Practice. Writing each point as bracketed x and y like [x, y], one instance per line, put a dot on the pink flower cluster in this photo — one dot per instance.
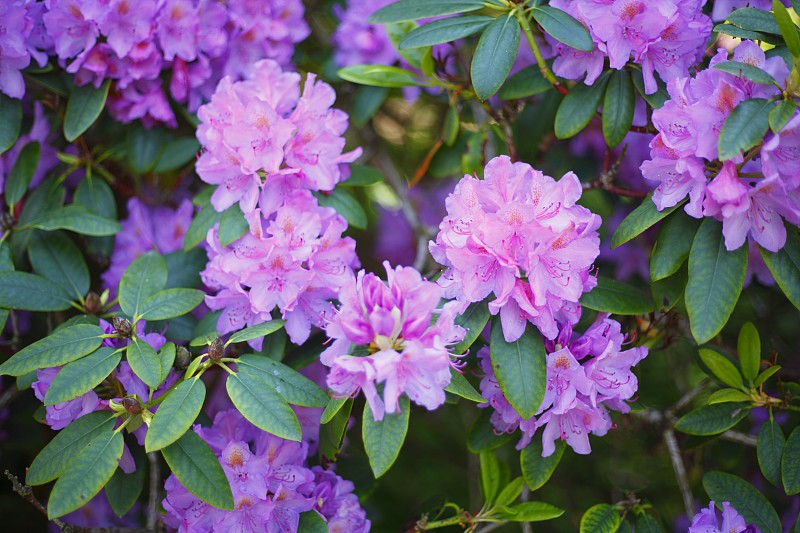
[403, 347]
[263, 139]
[748, 198]
[664, 36]
[519, 235]
[586, 377]
[294, 258]
[132, 41]
[271, 485]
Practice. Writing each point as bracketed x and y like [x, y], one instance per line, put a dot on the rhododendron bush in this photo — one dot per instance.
[353, 265]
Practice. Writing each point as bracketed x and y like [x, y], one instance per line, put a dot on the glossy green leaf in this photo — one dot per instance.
[780, 115]
[531, 512]
[616, 297]
[656, 99]
[765, 375]
[712, 419]
[452, 123]
[445, 31]
[520, 368]
[144, 362]
[29, 292]
[785, 266]
[490, 477]
[177, 153]
[746, 499]
[167, 357]
[673, 245]
[419, 9]
[10, 121]
[463, 388]
[198, 469]
[83, 107]
[754, 20]
[333, 430]
[618, 108]
[524, 83]
[379, 76]
[667, 292]
[198, 229]
[96, 195]
[54, 256]
[790, 463]
[170, 303]
[746, 71]
[383, 439]
[769, 448]
[232, 225]
[744, 128]
[494, 56]
[366, 102]
[363, 175]
[257, 331]
[21, 173]
[639, 220]
[563, 28]
[600, 518]
[183, 268]
[78, 219]
[59, 453]
[481, 436]
[510, 492]
[578, 107]
[346, 205]
[83, 375]
[333, 406]
[261, 404]
[749, 350]
[716, 277]
[735, 31]
[721, 368]
[537, 469]
[787, 28]
[86, 475]
[294, 387]
[176, 414]
[144, 147]
[145, 276]
[312, 522]
[728, 396]
[47, 196]
[646, 523]
[474, 320]
[124, 489]
[59, 348]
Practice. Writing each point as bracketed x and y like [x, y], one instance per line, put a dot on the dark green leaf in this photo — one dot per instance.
[749, 350]
[445, 30]
[419, 9]
[780, 115]
[646, 523]
[563, 28]
[461, 387]
[333, 430]
[383, 439]
[84, 106]
[176, 154]
[728, 396]
[144, 362]
[617, 297]
[600, 518]
[618, 108]
[363, 175]
[167, 357]
[494, 56]
[198, 229]
[170, 303]
[712, 419]
[531, 512]
[787, 28]
[785, 266]
[744, 128]
[145, 276]
[60, 347]
[183, 268]
[735, 31]
[21, 173]
[474, 320]
[95, 195]
[198, 469]
[366, 103]
[790, 463]
[721, 368]
[257, 331]
[716, 277]
[54, 256]
[144, 147]
[83, 375]
[482, 437]
[10, 121]
[520, 368]
[754, 19]
[261, 404]
[578, 107]
[29, 292]
[452, 123]
[333, 406]
[526, 82]
[124, 489]
[639, 220]
[232, 225]
[748, 72]
[379, 76]
[746, 499]
[490, 477]
[346, 205]
[537, 469]
[673, 245]
[78, 219]
[769, 448]
[176, 414]
[655, 99]
[312, 522]
[294, 387]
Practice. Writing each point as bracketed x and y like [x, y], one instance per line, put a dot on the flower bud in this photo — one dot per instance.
[132, 405]
[182, 358]
[93, 305]
[216, 350]
[122, 326]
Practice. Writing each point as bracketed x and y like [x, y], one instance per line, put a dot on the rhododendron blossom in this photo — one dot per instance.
[707, 521]
[519, 235]
[391, 321]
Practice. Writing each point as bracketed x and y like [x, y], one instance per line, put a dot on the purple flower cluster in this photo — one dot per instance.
[519, 235]
[263, 139]
[358, 42]
[132, 42]
[406, 350]
[587, 376]
[707, 521]
[271, 485]
[748, 197]
[294, 258]
[664, 36]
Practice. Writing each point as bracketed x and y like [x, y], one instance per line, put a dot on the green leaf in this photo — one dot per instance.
[790, 463]
[520, 368]
[754, 20]
[445, 31]
[124, 489]
[144, 147]
[419, 9]
[712, 419]
[170, 303]
[257, 331]
[144, 362]
[656, 99]
[379, 76]
[474, 320]
[531, 512]
[452, 123]
[780, 115]
[600, 518]
[29, 292]
[510, 492]
[617, 297]
[176, 414]
[494, 56]
[537, 469]
[461, 387]
[54, 256]
[787, 28]
[167, 357]
[524, 83]
[639, 220]
[333, 430]
[735, 31]
[333, 406]
[21, 173]
[490, 477]
[47, 196]
[769, 448]
[78, 219]
[83, 479]
[749, 350]
[578, 107]
[673, 245]
[646, 523]
[10, 121]
[728, 396]
[232, 225]
[563, 28]
[84, 106]
[183, 268]
[618, 108]
[261, 404]
[722, 368]
[59, 453]
[198, 469]
[716, 277]
[748, 72]
[744, 128]
[746, 499]
[363, 175]
[765, 375]
[482, 437]
[176, 154]
[785, 266]
[383, 439]
[198, 229]
[82, 375]
[346, 205]
[145, 276]
[294, 387]
[60, 347]
[95, 195]
[366, 103]
[312, 522]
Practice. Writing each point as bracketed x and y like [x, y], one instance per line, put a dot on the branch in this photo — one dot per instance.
[155, 478]
[680, 470]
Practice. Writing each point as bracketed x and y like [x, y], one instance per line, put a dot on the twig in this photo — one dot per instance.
[155, 478]
[8, 395]
[523, 497]
[27, 494]
[680, 470]
[741, 438]
[690, 395]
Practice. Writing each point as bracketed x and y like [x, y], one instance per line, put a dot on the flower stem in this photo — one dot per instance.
[537, 53]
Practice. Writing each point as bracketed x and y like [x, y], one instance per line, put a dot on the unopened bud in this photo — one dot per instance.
[132, 405]
[122, 326]
[182, 358]
[93, 305]
[216, 350]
